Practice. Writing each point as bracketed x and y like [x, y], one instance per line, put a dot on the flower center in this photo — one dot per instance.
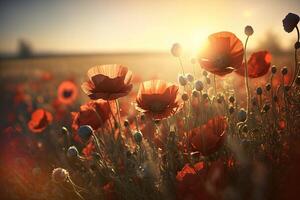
[222, 61]
[157, 107]
[67, 93]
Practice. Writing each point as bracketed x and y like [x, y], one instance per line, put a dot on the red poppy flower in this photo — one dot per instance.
[191, 182]
[108, 82]
[67, 92]
[258, 65]
[40, 119]
[93, 113]
[223, 54]
[158, 98]
[209, 137]
[200, 181]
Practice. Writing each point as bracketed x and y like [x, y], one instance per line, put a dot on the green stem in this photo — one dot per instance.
[119, 115]
[246, 78]
[180, 62]
[215, 85]
[297, 70]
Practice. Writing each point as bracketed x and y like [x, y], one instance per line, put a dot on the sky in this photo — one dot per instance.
[84, 26]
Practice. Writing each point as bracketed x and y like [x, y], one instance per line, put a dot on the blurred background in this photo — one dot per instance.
[75, 35]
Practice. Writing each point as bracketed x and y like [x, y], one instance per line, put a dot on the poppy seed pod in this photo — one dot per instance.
[274, 69]
[138, 137]
[242, 115]
[182, 80]
[126, 123]
[245, 129]
[290, 22]
[266, 107]
[268, 86]
[185, 96]
[195, 93]
[284, 71]
[72, 152]
[259, 91]
[220, 98]
[198, 85]
[64, 130]
[85, 132]
[59, 175]
[297, 45]
[231, 99]
[204, 95]
[297, 80]
[190, 77]
[249, 30]
[176, 50]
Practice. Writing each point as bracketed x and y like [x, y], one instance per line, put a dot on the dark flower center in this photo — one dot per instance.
[222, 61]
[157, 107]
[67, 93]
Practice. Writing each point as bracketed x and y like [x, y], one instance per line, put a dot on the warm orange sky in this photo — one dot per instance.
[128, 25]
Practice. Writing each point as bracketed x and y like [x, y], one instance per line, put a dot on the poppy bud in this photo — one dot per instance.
[59, 175]
[266, 107]
[220, 99]
[204, 73]
[126, 123]
[245, 129]
[85, 132]
[138, 136]
[242, 115]
[190, 77]
[193, 61]
[176, 50]
[268, 87]
[182, 80]
[72, 152]
[231, 109]
[231, 99]
[204, 95]
[290, 22]
[284, 70]
[207, 80]
[297, 45]
[259, 91]
[185, 96]
[273, 69]
[64, 130]
[297, 80]
[199, 85]
[248, 30]
[195, 93]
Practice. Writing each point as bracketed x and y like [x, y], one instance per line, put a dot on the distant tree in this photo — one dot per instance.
[24, 49]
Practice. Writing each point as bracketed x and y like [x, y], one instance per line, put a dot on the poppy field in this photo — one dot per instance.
[224, 124]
